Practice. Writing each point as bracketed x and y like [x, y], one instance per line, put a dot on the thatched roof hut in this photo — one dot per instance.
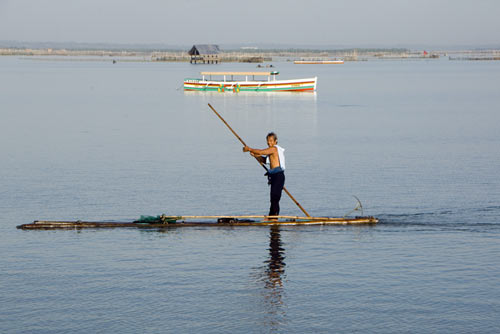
[206, 53]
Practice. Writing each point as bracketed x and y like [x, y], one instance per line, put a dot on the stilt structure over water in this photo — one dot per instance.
[206, 53]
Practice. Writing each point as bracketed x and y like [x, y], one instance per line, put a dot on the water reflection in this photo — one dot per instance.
[305, 96]
[273, 277]
[276, 266]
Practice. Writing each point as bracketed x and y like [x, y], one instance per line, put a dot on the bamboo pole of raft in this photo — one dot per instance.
[186, 218]
[259, 216]
[244, 144]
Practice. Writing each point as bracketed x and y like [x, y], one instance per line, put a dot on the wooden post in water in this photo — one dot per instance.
[244, 144]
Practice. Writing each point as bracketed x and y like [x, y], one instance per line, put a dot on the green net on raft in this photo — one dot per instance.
[161, 219]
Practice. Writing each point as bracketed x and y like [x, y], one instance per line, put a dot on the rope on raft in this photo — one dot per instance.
[161, 219]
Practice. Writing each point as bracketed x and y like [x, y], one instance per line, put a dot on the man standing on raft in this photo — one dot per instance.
[273, 155]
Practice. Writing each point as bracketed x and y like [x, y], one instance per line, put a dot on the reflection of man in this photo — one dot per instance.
[276, 264]
[275, 156]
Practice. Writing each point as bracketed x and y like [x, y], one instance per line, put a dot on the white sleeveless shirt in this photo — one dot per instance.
[281, 156]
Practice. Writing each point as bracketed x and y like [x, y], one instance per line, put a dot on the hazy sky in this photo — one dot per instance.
[305, 22]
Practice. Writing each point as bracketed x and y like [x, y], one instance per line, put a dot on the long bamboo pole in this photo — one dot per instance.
[259, 217]
[244, 144]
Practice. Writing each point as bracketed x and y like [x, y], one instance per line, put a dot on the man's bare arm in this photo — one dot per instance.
[271, 152]
[267, 151]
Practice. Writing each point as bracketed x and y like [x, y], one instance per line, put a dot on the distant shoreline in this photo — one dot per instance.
[255, 56]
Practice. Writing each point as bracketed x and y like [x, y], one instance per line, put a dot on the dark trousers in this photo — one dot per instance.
[277, 182]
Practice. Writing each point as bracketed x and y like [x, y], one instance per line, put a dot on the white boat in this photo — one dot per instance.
[247, 82]
[335, 61]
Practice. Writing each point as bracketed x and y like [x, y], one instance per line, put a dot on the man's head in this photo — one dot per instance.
[272, 139]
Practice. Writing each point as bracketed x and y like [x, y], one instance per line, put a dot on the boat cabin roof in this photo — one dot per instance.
[239, 73]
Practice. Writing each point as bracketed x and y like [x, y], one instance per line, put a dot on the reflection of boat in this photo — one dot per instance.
[269, 95]
[319, 61]
[164, 221]
[246, 82]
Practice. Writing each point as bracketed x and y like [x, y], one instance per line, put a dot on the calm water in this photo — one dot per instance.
[417, 141]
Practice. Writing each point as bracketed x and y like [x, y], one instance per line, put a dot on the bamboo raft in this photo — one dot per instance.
[192, 221]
